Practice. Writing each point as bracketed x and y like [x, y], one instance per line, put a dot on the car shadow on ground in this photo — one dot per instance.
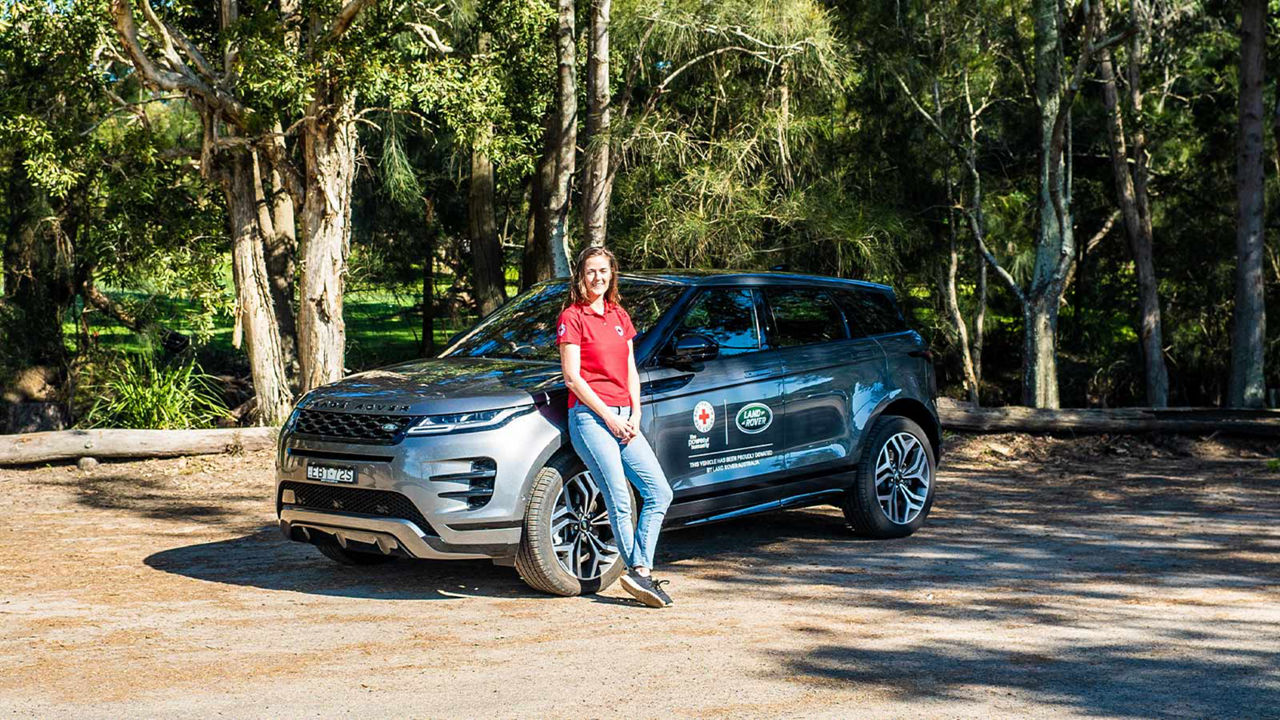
[265, 559]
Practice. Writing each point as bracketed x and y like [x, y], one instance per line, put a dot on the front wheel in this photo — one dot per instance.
[894, 489]
[568, 546]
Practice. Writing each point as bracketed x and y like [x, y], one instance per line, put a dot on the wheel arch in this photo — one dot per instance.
[920, 414]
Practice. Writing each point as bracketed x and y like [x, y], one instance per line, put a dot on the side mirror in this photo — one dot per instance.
[691, 349]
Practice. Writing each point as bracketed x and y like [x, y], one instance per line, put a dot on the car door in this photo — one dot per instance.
[715, 426]
[828, 375]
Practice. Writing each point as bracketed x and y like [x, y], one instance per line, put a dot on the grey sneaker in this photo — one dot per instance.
[642, 589]
[657, 588]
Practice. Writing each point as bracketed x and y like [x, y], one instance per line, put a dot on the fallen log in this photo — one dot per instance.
[963, 417]
[39, 447]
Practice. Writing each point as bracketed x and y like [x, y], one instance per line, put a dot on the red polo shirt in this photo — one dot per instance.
[603, 341]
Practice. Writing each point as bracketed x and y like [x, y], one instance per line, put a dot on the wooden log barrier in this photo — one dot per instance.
[28, 448]
[963, 417]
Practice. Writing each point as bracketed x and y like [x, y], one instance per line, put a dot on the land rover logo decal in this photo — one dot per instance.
[390, 427]
[754, 418]
[704, 416]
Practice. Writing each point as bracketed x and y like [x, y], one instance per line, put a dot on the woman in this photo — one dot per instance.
[599, 365]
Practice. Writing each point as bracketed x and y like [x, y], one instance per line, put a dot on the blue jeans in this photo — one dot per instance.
[612, 464]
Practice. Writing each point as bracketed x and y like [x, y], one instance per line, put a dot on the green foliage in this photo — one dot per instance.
[136, 391]
[724, 153]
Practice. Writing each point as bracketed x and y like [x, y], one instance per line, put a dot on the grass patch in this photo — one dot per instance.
[384, 326]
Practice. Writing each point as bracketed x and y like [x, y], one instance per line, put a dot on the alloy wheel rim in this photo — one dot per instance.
[902, 478]
[580, 531]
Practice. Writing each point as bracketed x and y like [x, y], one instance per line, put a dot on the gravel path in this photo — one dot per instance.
[1055, 578]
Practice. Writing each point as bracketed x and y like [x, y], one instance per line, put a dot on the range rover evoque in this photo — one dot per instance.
[761, 391]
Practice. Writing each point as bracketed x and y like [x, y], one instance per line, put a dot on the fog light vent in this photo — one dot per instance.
[479, 483]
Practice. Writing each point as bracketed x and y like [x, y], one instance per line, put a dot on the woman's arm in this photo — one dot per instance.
[633, 387]
[571, 367]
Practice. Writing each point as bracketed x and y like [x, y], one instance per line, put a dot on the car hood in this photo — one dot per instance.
[439, 385]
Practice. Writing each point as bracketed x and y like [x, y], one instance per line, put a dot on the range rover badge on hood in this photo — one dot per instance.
[365, 406]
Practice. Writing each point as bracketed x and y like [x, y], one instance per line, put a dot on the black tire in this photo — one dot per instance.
[536, 559]
[335, 552]
[862, 507]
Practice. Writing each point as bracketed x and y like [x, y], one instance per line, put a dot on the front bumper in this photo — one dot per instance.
[391, 536]
[433, 472]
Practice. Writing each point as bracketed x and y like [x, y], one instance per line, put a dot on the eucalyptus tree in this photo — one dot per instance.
[1130, 161]
[279, 88]
[1249, 321]
[1056, 88]
[596, 187]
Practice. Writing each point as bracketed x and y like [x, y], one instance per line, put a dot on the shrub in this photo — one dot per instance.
[137, 392]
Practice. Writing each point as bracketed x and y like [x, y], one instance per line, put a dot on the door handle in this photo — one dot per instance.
[767, 372]
[666, 384]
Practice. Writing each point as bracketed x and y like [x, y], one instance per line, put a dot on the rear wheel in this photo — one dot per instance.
[568, 546]
[894, 491]
[332, 550]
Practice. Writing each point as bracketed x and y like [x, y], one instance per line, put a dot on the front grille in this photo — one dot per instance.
[362, 501]
[354, 427]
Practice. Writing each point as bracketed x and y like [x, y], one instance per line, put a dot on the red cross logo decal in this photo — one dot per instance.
[704, 416]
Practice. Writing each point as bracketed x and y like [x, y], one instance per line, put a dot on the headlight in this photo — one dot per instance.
[485, 419]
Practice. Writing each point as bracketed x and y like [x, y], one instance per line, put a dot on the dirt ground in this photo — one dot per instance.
[1099, 577]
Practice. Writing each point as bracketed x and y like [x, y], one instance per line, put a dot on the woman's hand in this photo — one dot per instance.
[633, 423]
[620, 428]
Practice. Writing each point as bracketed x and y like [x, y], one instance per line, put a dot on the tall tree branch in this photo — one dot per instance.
[345, 17]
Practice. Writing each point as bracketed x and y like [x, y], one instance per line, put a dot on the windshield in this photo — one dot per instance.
[525, 328]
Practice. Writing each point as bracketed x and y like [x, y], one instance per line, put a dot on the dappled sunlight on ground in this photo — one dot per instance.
[1099, 577]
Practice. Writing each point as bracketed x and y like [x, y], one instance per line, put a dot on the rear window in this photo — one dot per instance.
[803, 317]
[870, 312]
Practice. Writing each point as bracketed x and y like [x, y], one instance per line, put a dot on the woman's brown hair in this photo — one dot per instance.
[578, 294]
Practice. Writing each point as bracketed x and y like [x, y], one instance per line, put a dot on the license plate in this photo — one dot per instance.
[330, 473]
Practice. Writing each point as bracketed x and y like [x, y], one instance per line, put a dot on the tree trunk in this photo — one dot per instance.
[565, 142]
[1055, 245]
[596, 187]
[255, 315]
[536, 265]
[1134, 208]
[1249, 318]
[429, 280]
[979, 324]
[949, 295]
[957, 319]
[1039, 352]
[281, 248]
[486, 250]
[329, 144]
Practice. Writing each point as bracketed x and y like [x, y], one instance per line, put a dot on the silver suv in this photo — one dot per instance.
[761, 391]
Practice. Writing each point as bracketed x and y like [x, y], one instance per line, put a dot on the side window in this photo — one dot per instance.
[870, 312]
[726, 315]
[804, 317]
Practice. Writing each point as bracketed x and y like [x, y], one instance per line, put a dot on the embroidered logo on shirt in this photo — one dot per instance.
[619, 329]
[561, 330]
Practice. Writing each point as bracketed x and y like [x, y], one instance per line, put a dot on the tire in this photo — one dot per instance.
[554, 532]
[890, 506]
[335, 552]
